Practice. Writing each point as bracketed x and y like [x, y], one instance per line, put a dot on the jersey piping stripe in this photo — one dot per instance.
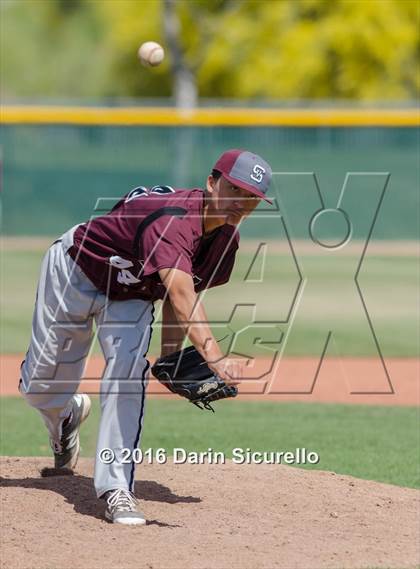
[169, 210]
[143, 396]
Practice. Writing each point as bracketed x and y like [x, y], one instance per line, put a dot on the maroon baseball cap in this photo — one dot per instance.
[245, 170]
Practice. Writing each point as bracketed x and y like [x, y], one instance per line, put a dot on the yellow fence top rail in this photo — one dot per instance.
[166, 116]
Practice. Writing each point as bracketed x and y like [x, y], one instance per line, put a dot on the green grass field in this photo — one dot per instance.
[330, 302]
[375, 443]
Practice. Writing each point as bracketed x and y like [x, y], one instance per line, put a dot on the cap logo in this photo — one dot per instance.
[257, 173]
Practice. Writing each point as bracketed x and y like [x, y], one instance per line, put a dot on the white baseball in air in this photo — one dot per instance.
[151, 53]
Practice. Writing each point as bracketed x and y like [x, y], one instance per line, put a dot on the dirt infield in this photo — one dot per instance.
[346, 380]
[208, 516]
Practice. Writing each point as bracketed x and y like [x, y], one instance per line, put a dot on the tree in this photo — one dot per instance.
[183, 78]
[242, 49]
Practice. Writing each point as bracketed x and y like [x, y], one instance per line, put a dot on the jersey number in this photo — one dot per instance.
[124, 276]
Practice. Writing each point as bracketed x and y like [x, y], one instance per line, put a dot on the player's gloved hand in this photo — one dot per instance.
[186, 373]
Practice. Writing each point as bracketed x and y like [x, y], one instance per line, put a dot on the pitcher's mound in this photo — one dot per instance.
[206, 517]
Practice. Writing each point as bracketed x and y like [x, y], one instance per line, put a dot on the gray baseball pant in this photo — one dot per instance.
[66, 304]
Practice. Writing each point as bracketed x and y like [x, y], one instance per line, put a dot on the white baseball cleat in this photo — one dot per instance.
[67, 449]
[122, 508]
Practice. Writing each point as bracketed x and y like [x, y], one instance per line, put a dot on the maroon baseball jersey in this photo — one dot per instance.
[151, 229]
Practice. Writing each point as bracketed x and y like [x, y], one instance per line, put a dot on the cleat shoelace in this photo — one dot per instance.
[58, 446]
[122, 500]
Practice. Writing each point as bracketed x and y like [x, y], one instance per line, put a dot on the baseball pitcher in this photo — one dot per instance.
[157, 243]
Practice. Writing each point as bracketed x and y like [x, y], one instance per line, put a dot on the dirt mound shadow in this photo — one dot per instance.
[208, 516]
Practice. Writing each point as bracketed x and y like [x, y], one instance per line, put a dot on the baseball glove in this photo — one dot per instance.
[186, 373]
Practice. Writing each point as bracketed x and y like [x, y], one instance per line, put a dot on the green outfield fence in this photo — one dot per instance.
[56, 162]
